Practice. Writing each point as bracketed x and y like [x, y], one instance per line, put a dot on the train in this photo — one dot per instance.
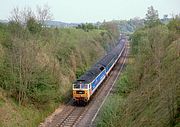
[85, 86]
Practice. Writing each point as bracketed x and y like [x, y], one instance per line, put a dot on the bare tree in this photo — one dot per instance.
[21, 16]
[43, 14]
[15, 15]
[21, 53]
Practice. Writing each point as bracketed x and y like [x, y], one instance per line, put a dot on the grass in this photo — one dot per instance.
[113, 107]
[14, 115]
[110, 112]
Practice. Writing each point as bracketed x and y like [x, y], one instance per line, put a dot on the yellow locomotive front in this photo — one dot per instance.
[81, 91]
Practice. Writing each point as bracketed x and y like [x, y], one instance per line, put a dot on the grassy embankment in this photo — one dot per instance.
[37, 69]
[147, 94]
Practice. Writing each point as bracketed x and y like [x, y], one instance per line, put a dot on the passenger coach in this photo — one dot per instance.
[86, 85]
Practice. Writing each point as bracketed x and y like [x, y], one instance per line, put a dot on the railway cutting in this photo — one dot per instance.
[74, 115]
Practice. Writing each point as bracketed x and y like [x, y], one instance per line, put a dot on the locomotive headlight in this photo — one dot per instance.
[74, 92]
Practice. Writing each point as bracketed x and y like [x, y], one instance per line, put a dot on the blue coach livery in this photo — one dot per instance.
[85, 86]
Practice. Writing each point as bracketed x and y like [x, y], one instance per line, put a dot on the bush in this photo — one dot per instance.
[43, 88]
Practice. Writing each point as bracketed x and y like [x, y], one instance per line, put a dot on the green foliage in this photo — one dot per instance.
[1, 102]
[63, 54]
[24, 116]
[30, 78]
[150, 87]
[174, 25]
[5, 76]
[37, 68]
[112, 28]
[130, 26]
[39, 64]
[80, 71]
[152, 18]
[33, 26]
[4, 35]
[15, 29]
[110, 113]
[43, 88]
[86, 27]
[123, 85]
[137, 38]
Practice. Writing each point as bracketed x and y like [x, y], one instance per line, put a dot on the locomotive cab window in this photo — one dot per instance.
[84, 86]
[76, 86]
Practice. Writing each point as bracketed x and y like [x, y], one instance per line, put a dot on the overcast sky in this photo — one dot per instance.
[93, 10]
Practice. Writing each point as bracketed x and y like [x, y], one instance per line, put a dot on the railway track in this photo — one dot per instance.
[83, 116]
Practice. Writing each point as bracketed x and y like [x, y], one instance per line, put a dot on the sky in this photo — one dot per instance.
[78, 11]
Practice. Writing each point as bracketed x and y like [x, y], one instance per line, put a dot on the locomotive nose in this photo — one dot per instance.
[81, 95]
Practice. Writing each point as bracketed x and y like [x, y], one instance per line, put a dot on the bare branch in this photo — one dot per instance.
[43, 14]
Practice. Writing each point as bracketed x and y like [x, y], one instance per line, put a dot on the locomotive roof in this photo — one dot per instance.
[105, 60]
[114, 53]
[89, 75]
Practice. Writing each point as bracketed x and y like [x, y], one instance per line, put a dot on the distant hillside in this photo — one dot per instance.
[53, 23]
[3, 21]
[60, 24]
[130, 26]
[125, 26]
